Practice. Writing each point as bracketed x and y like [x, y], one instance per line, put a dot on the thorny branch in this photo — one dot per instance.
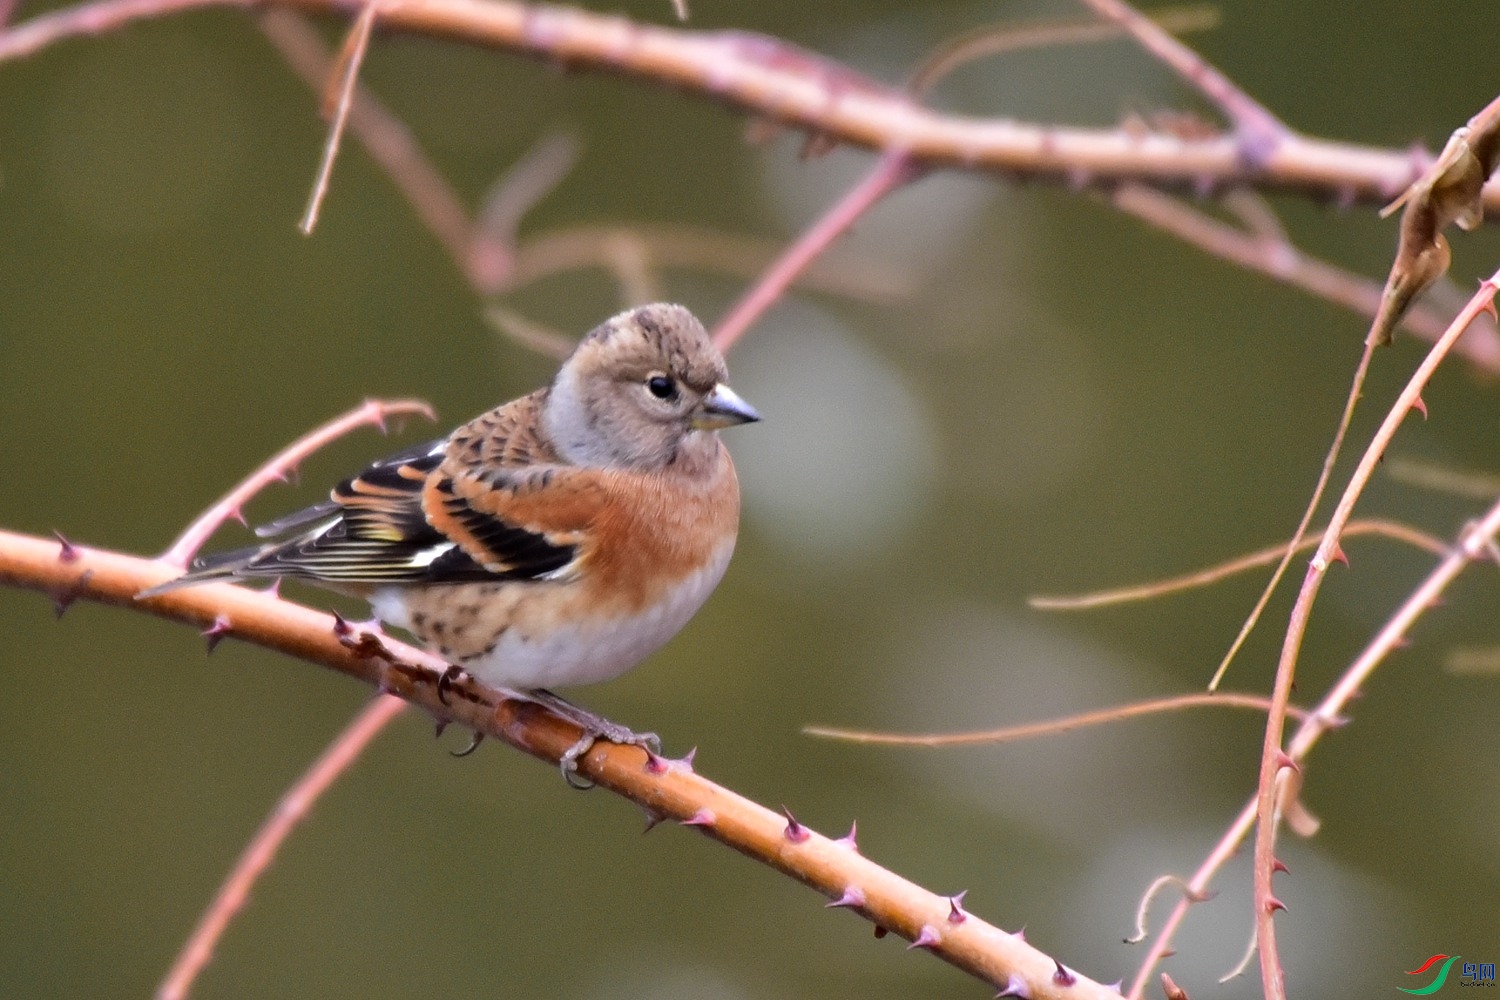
[666, 789]
[282, 466]
[261, 851]
[1282, 765]
[1474, 544]
[780, 82]
[1274, 759]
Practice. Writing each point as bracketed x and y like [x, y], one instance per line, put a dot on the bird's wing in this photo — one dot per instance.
[448, 511]
[517, 523]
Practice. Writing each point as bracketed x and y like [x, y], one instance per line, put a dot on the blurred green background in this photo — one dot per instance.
[1065, 401]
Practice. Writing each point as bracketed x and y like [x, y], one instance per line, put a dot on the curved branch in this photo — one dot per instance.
[1053, 727]
[779, 81]
[1274, 759]
[666, 789]
[1474, 544]
[290, 811]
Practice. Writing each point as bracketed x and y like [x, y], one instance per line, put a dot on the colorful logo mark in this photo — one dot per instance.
[1437, 983]
[1474, 974]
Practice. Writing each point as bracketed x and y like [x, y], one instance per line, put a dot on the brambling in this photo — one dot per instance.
[559, 539]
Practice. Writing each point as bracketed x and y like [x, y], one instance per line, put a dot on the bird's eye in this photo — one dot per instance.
[661, 387]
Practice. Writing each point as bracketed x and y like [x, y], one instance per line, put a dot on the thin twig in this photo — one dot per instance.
[1277, 258]
[1143, 909]
[1008, 36]
[1473, 662]
[1052, 727]
[890, 172]
[1346, 417]
[1261, 130]
[347, 69]
[1441, 478]
[1213, 574]
[373, 412]
[634, 270]
[382, 134]
[1472, 545]
[517, 191]
[531, 335]
[704, 251]
[263, 848]
[1273, 757]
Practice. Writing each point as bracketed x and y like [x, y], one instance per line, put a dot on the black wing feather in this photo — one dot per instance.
[373, 530]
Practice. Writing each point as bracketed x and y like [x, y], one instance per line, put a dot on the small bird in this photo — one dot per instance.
[556, 540]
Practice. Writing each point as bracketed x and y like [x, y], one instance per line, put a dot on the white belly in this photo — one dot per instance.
[575, 654]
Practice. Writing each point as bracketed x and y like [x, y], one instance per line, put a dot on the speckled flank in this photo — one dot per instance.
[527, 635]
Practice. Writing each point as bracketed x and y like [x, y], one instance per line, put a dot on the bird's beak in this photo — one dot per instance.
[722, 407]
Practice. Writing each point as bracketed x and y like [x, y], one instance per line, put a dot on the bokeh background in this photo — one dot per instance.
[1064, 401]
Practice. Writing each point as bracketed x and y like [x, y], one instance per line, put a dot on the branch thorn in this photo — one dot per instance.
[795, 832]
[956, 914]
[927, 937]
[703, 817]
[216, 631]
[653, 819]
[63, 599]
[67, 552]
[853, 898]
[1015, 986]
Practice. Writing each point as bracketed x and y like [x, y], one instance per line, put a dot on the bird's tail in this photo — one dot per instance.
[231, 565]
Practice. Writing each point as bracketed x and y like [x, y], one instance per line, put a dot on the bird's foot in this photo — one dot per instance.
[595, 728]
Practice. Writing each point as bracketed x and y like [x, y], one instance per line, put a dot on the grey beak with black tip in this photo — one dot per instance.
[723, 407]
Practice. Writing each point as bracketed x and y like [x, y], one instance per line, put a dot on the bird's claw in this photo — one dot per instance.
[595, 728]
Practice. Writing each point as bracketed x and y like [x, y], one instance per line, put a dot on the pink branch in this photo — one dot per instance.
[279, 468]
[786, 84]
[1272, 254]
[261, 851]
[891, 171]
[1473, 544]
[384, 136]
[352, 57]
[668, 790]
[1273, 758]
[1261, 129]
